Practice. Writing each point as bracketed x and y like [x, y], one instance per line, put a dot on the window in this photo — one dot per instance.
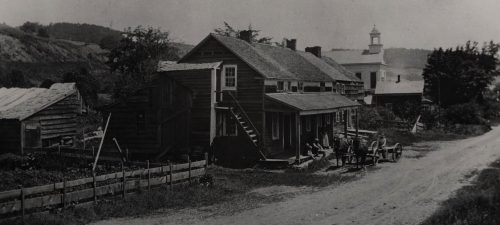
[358, 75]
[373, 79]
[275, 126]
[301, 86]
[280, 86]
[322, 86]
[308, 123]
[342, 115]
[289, 86]
[327, 119]
[337, 116]
[229, 77]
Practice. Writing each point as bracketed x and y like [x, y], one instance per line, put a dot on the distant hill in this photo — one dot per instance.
[40, 58]
[409, 63]
[69, 47]
[88, 33]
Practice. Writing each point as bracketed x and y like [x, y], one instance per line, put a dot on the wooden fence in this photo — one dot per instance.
[90, 188]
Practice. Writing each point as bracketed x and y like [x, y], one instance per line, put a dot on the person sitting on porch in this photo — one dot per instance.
[317, 148]
[307, 148]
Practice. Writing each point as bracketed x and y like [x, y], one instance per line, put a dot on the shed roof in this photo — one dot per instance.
[308, 103]
[164, 66]
[403, 87]
[274, 62]
[21, 103]
[355, 57]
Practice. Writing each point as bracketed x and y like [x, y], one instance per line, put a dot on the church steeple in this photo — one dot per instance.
[375, 46]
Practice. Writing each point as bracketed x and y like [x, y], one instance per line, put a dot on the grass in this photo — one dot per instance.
[478, 203]
[231, 191]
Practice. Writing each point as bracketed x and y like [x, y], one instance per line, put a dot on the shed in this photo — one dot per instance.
[38, 117]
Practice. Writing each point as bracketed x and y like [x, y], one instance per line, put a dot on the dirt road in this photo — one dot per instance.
[398, 193]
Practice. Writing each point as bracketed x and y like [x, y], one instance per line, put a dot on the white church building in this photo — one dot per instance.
[367, 64]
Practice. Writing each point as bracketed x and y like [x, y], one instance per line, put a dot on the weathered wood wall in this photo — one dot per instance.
[10, 136]
[250, 84]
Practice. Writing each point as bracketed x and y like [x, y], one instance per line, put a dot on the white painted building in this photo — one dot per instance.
[367, 64]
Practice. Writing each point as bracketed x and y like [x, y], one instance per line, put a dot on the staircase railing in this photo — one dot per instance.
[245, 115]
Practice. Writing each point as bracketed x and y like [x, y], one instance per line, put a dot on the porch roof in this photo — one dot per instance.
[312, 103]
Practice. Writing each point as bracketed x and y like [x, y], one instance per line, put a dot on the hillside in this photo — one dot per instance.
[45, 58]
[87, 33]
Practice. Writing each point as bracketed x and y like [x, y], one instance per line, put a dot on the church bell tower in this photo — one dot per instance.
[375, 42]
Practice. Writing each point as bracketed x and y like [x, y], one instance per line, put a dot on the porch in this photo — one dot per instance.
[293, 119]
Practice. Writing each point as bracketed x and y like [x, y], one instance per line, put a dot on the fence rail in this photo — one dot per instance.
[77, 191]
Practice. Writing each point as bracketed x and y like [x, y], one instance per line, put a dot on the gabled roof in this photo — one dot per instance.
[275, 62]
[403, 87]
[341, 68]
[164, 66]
[21, 103]
[355, 57]
[312, 102]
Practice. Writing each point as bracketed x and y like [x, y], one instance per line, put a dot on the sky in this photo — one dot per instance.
[328, 23]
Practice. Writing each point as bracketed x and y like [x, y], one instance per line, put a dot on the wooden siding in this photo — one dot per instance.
[10, 136]
[153, 120]
[250, 84]
[199, 82]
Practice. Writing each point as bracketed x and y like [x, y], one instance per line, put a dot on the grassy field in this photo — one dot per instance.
[232, 190]
[478, 203]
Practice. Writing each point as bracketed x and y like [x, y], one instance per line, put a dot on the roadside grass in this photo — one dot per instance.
[231, 189]
[451, 133]
[478, 203]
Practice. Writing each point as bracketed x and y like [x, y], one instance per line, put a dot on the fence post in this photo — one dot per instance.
[94, 186]
[124, 181]
[149, 177]
[189, 163]
[22, 204]
[171, 182]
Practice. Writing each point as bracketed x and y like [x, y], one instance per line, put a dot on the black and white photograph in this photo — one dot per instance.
[249, 112]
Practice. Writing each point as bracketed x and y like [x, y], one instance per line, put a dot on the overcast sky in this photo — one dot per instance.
[328, 23]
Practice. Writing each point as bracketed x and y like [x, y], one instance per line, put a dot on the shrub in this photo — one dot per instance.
[466, 113]
[368, 117]
[386, 114]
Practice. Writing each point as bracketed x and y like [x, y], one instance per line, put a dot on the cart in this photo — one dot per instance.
[375, 152]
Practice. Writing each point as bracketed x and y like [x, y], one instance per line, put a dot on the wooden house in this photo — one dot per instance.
[259, 101]
[38, 117]
[153, 122]
[391, 93]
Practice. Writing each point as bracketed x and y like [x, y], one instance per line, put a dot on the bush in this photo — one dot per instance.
[368, 117]
[386, 114]
[466, 113]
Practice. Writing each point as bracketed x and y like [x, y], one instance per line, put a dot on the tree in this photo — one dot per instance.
[42, 32]
[408, 111]
[110, 41]
[136, 57]
[47, 83]
[86, 83]
[229, 31]
[15, 79]
[460, 75]
[30, 27]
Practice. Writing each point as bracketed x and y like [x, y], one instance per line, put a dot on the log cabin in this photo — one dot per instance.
[38, 117]
[261, 101]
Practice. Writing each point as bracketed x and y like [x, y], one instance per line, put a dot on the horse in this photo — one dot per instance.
[360, 149]
[341, 147]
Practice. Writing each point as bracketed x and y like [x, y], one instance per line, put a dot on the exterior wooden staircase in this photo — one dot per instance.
[246, 125]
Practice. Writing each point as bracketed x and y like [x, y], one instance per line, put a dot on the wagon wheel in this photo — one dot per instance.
[374, 150]
[397, 152]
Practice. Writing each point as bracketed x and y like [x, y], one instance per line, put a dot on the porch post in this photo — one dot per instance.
[357, 122]
[298, 131]
[345, 121]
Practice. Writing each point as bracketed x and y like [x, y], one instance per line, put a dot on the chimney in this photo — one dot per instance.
[399, 79]
[246, 35]
[291, 44]
[316, 50]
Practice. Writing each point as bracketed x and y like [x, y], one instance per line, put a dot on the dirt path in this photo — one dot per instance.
[398, 193]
